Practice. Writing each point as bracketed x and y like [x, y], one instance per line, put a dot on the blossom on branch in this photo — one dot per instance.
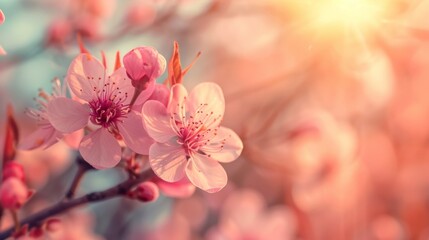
[102, 104]
[189, 138]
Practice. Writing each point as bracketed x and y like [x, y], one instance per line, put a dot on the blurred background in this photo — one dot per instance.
[330, 98]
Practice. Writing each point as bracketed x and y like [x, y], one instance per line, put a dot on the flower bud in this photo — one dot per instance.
[13, 193]
[143, 66]
[13, 169]
[145, 192]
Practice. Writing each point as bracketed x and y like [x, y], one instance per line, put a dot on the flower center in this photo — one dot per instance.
[106, 112]
[196, 130]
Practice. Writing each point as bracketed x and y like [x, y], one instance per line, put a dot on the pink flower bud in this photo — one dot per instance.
[146, 192]
[15, 170]
[143, 66]
[1, 17]
[13, 193]
[59, 32]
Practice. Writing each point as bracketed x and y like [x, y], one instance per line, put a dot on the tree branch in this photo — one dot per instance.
[118, 190]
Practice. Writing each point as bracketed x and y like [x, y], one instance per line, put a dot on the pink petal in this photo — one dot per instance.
[168, 161]
[210, 95]
[145, 94]
[206, 173]
[157, 121]
[86, 76]
[2, 51]
[231, 142]
[134, 134]
[73, 139]
[44, 136]
[100, 149]
[2, 17]
[177, 100]
[161, 94]
[180, 189]
[121, 85]
[67, 115]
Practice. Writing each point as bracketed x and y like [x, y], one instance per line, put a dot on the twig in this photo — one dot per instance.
[118, 190]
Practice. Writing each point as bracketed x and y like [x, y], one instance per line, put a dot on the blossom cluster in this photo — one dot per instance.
[127, 109]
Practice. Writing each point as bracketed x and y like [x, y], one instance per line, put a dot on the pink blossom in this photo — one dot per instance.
[244, 215]
[13, 193]
[189, 138]
[46, 135]
[143, 65]
[103, 103]
[141, 14]
[13, 169]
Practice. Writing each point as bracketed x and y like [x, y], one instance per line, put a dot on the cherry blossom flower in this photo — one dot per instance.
[46, 135]
[103, 103]
[189, 138]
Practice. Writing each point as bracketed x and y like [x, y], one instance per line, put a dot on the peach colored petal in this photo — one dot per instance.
[44, 136]
[230, 142]
[168, 161]
[178, 95]
[67, 115]
[157, 121]
[206, 173]
[134, 134]
[100, 149]
[86, 76]
[207, 98]
[121, 84]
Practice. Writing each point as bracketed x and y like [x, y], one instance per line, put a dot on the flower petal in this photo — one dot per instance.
[180, 189]
[86, 76]
[168, 161]
[161, 94]
[134, 134]
[2, 18]
[177, 100]
[120, 85]
[225, 146]
[145, 94]
[100, 149]
[206, 173]
[44, 136]
[67, 115]
[157, 121]
[208, 98]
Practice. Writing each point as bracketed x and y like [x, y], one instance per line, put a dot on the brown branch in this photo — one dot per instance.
[118, 190]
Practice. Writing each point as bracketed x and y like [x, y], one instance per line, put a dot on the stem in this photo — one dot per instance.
[76, 180]
[115, 191]
[15, 220]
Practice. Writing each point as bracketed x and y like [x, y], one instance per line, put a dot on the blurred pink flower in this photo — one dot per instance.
[189, 138]
[143, 65]
[244, 216]
[2, 18]
[180, 189]
[105, 102]
[13, 193]
[141, 14]
[46, 135]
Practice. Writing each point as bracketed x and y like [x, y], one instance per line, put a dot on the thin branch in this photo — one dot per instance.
[118, 190]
